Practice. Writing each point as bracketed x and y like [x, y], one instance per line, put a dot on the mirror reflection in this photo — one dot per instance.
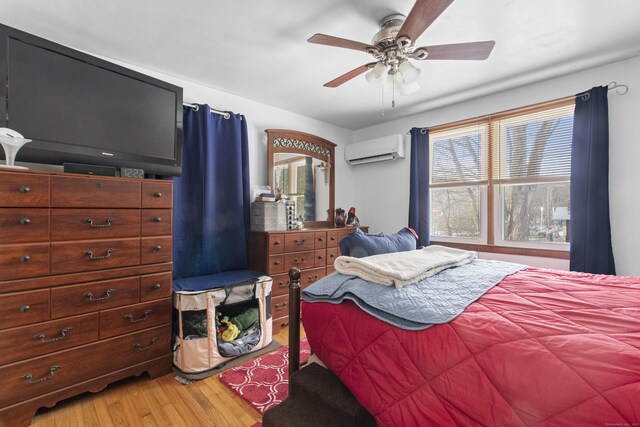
[304, 180]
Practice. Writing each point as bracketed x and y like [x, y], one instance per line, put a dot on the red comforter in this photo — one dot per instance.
[541, 348]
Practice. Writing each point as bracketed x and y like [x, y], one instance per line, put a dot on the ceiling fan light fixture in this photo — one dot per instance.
[375, 77]
[410, 73]
[408, 89]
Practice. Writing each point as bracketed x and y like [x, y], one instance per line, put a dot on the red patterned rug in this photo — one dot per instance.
[263, 382]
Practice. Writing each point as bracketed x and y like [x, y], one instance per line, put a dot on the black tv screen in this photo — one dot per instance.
[81, 109]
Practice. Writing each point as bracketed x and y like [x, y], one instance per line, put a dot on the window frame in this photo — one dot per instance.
[491, 210]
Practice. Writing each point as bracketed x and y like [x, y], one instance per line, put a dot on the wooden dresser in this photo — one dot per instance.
[275, 252]
[85, 286]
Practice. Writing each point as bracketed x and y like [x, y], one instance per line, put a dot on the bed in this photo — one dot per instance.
[542, 347]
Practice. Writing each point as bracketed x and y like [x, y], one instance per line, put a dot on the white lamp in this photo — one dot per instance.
[408, 89]
[11, 142]
[375, 77]
[410, 73]
[393, 81]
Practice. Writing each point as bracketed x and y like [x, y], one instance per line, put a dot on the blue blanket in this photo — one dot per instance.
[437, 299]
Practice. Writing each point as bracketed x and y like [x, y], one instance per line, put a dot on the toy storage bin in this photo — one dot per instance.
[198, 348]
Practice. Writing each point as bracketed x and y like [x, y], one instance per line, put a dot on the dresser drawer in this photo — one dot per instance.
[302, 260]
[320, 238]
[309, 277]
[94, 296]
[330, 269]
[43, 338]
[276, 244]
[23, 308]
[123, 320]
[280, 285]
[332, 239]
[157, 194]
[21, 261]
[332, 254]
[320, 258]
[296, 242]
[24, 225]
[89, 255]
[275, 264]
[156, 222]
[279, 306]
[155, 249]
[86, 192]
[35, 377]
[79, 224]
[155, 286]
[23, 190]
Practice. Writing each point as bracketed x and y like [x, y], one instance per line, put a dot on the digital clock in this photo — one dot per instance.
[132, 173]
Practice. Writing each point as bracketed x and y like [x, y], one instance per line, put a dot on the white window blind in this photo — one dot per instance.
[459, 156]
[534, 146]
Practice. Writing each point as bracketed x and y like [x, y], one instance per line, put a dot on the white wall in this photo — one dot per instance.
[260, 117]
[381, 191]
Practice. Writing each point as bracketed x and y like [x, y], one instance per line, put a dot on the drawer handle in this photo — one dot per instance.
[312, 278]
[320, 239]
[145, 316]
[276, 263]
[108, 221]
[107, 295]
[157, 286]
[333, 238]
[24, 189]
[298, 242]
[151, 345]
[157, 248]
[157, 219]
[332, 256]
[25, 258]
[107, 254]
[157, 194]
[41, 337]
[320, 256]
[25, 308]
[280, 306]
[29, 377]
[276, 243]
[282, 285]
[298, 261]
[25, 221]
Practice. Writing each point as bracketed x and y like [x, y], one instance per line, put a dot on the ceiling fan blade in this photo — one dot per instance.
[422, 15]
[471, 51]
[339, 42]
[349, 75]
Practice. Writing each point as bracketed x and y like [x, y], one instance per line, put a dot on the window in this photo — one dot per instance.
[504, 180]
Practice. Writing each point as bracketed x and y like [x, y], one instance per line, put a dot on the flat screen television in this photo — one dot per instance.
[80, 109]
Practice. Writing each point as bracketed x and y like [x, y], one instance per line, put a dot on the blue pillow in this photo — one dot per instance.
[359, 244]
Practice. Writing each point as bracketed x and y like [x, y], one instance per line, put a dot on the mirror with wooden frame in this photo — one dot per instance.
[301, 166]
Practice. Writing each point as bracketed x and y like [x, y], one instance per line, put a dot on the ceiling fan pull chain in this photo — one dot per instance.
[393, 91]
[382, 91]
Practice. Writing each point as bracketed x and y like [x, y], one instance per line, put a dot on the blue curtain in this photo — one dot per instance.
[590, 229]
[211, 198]
[419, 184]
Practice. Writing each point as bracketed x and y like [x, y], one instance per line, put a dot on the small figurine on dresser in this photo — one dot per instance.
[352, 219]
[340, 217]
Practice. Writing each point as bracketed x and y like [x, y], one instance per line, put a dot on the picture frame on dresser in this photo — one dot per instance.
[85, 286]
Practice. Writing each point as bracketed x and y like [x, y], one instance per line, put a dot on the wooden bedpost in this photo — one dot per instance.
[294, 320]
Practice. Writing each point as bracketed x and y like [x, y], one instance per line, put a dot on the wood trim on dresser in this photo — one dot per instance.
[97, 308]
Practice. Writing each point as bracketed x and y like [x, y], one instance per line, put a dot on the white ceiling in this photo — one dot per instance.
[258, 50]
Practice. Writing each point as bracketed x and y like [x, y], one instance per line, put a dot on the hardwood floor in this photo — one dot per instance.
[160, 402]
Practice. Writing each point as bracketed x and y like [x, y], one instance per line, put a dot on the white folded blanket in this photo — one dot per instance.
[404, 268]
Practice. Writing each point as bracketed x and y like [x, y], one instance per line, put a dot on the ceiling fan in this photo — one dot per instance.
[394, 45]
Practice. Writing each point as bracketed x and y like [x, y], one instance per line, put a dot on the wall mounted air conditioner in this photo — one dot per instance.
[376, 150]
